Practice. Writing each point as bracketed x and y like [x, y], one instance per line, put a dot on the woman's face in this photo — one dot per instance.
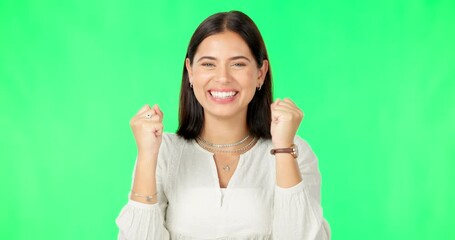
[225, 75]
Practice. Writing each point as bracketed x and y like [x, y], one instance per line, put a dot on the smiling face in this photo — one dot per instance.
[225, 75]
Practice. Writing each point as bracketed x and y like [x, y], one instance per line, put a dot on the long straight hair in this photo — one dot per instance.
[191, 113]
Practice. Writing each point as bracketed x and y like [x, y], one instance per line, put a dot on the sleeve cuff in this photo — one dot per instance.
[142, 205]
[291, 190]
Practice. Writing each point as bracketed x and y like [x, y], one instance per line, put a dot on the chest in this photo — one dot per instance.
[197, 202]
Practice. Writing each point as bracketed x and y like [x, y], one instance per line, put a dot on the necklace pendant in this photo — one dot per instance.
[227, 168]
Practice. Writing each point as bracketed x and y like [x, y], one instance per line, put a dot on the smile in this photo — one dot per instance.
[222, 95]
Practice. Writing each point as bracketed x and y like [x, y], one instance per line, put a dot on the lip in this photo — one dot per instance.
[222, 95]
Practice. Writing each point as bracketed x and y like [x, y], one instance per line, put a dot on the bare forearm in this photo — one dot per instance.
[147, 128]
[287, 171]
[145, 178]
[286, 118]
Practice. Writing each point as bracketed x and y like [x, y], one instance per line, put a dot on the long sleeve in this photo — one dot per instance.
[297, 210]
[141, 221]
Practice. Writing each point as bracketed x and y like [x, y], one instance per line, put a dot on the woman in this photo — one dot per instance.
[233, 170]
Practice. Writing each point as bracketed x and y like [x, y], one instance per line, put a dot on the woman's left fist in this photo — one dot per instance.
[286, 118]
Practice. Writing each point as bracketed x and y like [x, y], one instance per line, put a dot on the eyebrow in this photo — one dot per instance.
[232, 58]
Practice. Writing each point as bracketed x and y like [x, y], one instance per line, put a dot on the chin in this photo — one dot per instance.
[226, 113]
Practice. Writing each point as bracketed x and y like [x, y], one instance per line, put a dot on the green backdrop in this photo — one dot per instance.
[376, 80]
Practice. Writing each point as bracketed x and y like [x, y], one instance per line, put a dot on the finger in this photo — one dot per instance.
[273, 105]
[287, 108]
[148, 114]
[277, 101]
[159, 130]
[278, 113]
[288, 100]
[285, 113]
[285, 102]
[143, 109]
[288, 104]
[140, 114]
[158, 111]
[153, 127]
[155, 118]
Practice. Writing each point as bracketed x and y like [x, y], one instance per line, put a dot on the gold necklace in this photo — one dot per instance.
[223, 145]
[212, 149]
[227, 167]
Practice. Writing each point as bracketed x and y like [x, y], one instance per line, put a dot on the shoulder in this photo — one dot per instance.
[172, 145]
[170, 153]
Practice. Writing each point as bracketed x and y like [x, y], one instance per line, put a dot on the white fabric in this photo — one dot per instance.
[192, 205]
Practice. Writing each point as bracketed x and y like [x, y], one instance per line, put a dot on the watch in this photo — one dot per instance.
[293, 150]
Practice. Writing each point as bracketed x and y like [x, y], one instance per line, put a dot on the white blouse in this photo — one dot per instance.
[191, 204]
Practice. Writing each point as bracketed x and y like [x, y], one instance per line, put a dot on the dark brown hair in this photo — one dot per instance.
[191, 113]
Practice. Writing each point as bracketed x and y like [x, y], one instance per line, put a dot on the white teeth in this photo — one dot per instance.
[222, 94]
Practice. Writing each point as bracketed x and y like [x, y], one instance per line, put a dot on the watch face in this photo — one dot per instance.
[295, 151]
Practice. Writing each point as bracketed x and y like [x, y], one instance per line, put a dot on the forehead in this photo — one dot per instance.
[224, 44]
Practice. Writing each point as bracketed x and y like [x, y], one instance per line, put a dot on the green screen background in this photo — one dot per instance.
[376, 80]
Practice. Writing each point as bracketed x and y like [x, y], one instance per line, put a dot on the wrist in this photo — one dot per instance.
[147, 150]
[285, 144]
[292, 150]
[147, 155]
[283, 141]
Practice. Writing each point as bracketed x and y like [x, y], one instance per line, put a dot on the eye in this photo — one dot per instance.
[207, 64]
[239, 64]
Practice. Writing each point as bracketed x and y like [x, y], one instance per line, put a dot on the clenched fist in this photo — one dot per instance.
[286, 118]
[147, 126]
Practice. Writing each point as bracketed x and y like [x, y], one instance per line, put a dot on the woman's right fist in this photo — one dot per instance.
[147, 126]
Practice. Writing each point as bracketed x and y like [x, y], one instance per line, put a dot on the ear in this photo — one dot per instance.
[262, 72]
[189, 69]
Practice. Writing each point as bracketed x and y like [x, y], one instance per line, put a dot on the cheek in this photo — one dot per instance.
[200, 79]
[248, 78]
[199, 94]
[201, 74]
[198, 88]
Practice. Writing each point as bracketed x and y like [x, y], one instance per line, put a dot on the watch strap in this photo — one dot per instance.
[291, 150]
[281, 150]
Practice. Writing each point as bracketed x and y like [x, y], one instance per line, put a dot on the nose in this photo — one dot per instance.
[223, 75]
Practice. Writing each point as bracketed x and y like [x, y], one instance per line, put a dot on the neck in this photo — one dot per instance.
[224, 131]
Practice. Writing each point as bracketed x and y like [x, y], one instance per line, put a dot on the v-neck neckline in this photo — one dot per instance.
[224, 193]
[231, 181]
[215, 176]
